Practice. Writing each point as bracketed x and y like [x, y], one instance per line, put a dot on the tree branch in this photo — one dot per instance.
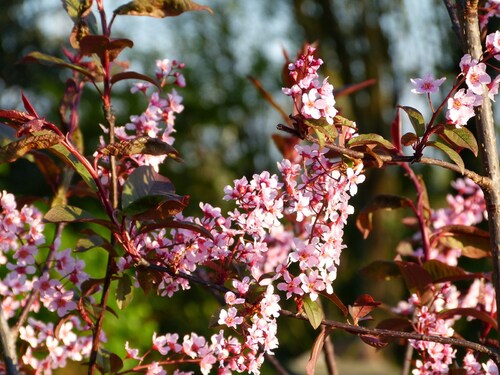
[387, 333]
[488, 147]
[7, 345]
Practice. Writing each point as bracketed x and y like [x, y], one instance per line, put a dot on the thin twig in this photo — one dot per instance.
[387, 333]
[329, 352]
[455, 22]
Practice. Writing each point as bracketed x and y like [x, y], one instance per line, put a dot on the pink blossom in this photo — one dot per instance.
[467, 62]
[493, 44]
[477, 77]
[427, 84]
[230, 317]
[131, 352]
[460, 107]
[61, 302]
[155, 369]
[291, 285]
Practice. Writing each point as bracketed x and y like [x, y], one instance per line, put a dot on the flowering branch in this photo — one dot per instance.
[484, 182]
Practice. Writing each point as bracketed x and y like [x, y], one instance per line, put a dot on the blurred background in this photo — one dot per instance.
[225, 129]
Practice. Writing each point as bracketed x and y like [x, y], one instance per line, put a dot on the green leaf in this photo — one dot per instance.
[140, 145]
[70, 214]
[416, 119]
[38, 141]
[380, 202]
[41, 57]
[124, 292]
[70, 159]
[159, 8]
[460, 137]
[77, 8]
[313, 311]
[452, 154]
[132, 75]
[370, 139]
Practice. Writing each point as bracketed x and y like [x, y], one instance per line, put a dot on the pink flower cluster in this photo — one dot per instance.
[312, 99]
[157, 121]
[461, 105]
[285, 230]
[22, 237]
[466, 208]
[436, 358]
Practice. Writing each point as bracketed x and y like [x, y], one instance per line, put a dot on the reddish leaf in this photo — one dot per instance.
[417, 279]
[269, 98]
[380, 202]
[316, 351]
[382, 270]
[28, 106]
[174, 224]
[374, 341]
[132, 75]
[286, 145]
[470, 312]
[41, 57]
[91, 286]
[100, 44]
[442, 272]
[395, 324]
[363, 305]
[472, 241]
[396, 131]
[15, 119]
[159, 8]
[409, 138]
[336, 300]
[140, 145]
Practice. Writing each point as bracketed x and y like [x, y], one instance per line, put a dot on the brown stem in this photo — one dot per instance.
[407, 362]
[482, 181]
[329, 352]
[488, 147]
[280, 369]
[387, 333]
[420, 211]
